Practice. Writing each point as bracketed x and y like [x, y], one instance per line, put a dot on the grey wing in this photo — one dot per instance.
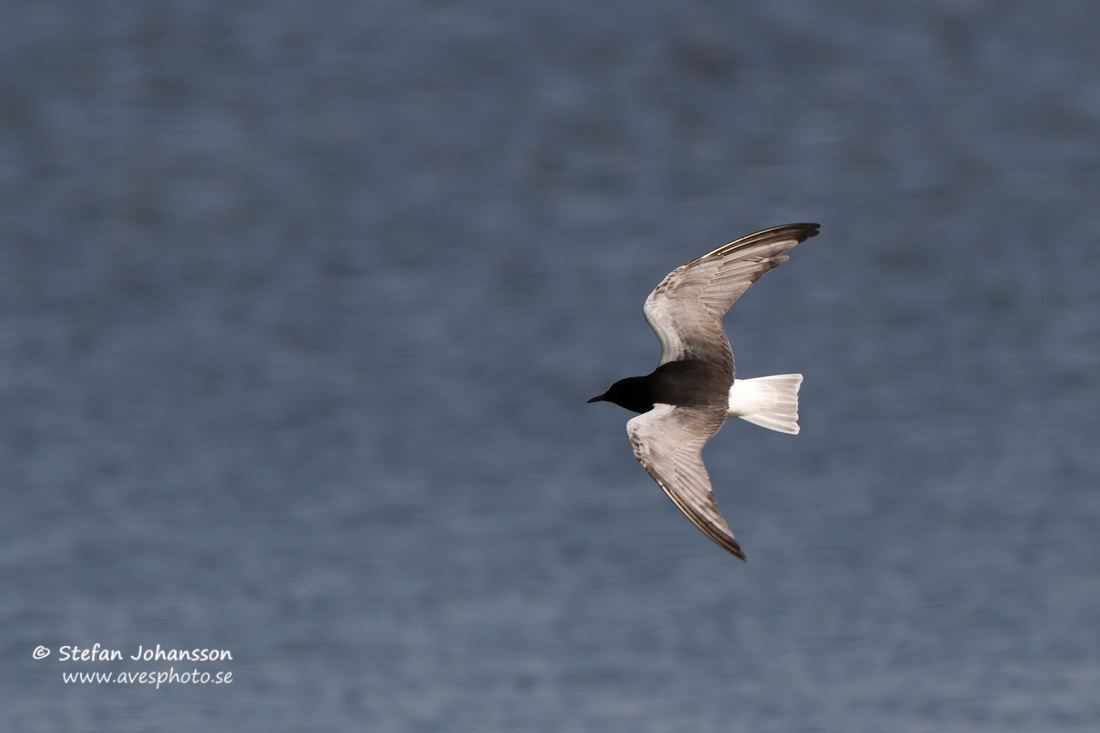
[668, 442]
[686, 309]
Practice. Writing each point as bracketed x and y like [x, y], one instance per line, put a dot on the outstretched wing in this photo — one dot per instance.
[686, 309]
[668, 442]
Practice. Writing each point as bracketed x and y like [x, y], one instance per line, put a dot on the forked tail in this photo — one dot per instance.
[770, 402]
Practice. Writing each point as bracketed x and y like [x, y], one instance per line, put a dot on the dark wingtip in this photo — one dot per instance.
[808, 229]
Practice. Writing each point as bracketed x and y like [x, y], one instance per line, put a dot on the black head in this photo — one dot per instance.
[632, 393]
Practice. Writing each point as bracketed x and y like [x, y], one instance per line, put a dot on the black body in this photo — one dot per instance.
[689, 383]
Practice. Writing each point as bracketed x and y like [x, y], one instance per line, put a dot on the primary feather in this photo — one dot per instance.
[686, 309]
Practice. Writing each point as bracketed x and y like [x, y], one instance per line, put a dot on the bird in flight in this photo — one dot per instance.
[688, 397]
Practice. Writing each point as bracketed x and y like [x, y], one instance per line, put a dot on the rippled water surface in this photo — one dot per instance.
[300, 304]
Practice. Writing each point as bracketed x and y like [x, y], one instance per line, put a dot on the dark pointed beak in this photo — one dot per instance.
[597, 398]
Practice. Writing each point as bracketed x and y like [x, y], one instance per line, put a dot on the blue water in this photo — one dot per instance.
[300, 304]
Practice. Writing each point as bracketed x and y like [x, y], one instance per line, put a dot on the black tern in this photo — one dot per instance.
[688, 397]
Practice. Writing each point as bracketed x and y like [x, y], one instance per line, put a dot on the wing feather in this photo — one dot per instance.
[686, 309]
[668, 441]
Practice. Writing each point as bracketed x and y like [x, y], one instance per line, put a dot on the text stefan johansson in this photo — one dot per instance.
[100, 654]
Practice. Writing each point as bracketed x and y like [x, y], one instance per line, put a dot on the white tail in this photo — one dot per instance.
[770, 402]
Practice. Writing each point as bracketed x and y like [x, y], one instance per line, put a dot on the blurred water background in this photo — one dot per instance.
[300, 304]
